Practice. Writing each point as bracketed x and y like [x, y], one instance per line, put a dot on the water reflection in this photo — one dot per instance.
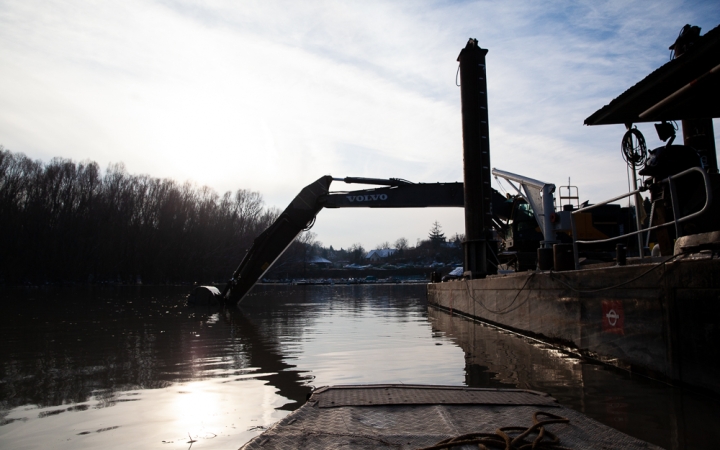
[358, 334]
[652, 411]
[118, 367]
[111, 367]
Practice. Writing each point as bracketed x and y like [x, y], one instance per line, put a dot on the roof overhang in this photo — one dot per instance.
[687, 87]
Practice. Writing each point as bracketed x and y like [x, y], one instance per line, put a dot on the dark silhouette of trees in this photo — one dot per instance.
[64, 221]
[357, 253]
[298, 255]
[401, 244]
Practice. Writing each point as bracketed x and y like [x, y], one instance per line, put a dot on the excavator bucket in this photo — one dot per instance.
[271, 243]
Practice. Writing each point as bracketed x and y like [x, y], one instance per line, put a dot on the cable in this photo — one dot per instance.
[310, 224]
[500, 185]
[627, 171]
[672, 49]
[616, 285]
[507, 308]
[633, 153]
[510, 437]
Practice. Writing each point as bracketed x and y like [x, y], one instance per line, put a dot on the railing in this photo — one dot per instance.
[675, 208]
[569, 197]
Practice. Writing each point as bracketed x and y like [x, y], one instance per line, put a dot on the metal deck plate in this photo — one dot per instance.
[402, 426]
[378, 395]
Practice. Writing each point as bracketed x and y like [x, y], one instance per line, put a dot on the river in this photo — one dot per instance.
[135, 367]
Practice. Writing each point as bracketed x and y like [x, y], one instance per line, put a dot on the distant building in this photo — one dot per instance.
[379, 255]
[320, 261]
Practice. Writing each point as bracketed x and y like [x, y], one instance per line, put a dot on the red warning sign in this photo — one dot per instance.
[613, 317]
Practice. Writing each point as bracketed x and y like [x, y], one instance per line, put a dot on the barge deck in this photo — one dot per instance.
[435, 417]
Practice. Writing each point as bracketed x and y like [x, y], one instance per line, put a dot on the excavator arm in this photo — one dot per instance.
[397, 194]
[301, 212]
[272, 242]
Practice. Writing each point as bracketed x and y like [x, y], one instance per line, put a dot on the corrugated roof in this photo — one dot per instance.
[381, 253]
[319, 260]
[685, 88]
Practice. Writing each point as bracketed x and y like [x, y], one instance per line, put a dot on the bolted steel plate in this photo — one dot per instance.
[377, 395]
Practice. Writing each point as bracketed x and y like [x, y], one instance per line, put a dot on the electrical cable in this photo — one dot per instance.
[627, 171]
[507, 308]
[500, 185]
[672, 49]
[634, 153]
[310, 224]
[661, 264]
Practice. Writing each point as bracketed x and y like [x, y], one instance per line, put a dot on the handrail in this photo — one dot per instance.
[675, 207]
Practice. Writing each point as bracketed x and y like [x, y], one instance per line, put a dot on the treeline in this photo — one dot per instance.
[302, 255]
[71, 222]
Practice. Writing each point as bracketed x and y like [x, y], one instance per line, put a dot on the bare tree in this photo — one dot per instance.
[62, 221]
[401, 244]
[357, 253]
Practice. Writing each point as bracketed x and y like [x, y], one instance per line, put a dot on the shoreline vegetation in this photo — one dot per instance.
[67, 222]
[63, 222]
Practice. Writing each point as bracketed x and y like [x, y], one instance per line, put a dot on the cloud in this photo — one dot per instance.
[270, 95]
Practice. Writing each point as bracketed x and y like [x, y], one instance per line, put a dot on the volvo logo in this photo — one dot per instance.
[366, 198]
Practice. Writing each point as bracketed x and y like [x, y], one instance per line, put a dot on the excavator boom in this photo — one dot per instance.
[272, 242]
[301, 212]
[409, 195]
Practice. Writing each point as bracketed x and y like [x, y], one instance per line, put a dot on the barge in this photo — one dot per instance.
[657, 315]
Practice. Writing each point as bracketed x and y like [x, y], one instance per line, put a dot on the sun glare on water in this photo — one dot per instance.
[210, 414]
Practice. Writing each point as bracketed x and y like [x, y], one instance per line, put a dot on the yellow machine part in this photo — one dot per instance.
[585, 229]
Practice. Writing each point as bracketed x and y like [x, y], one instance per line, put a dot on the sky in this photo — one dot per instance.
[271, 95]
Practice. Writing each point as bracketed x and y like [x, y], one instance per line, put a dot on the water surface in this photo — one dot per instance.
[134, 367]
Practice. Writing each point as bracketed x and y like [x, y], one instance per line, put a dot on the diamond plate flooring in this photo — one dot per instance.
[404, 417]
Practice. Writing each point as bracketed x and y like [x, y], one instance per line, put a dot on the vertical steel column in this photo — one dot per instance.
[698, 133]
[637, 203]
[479, 243]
